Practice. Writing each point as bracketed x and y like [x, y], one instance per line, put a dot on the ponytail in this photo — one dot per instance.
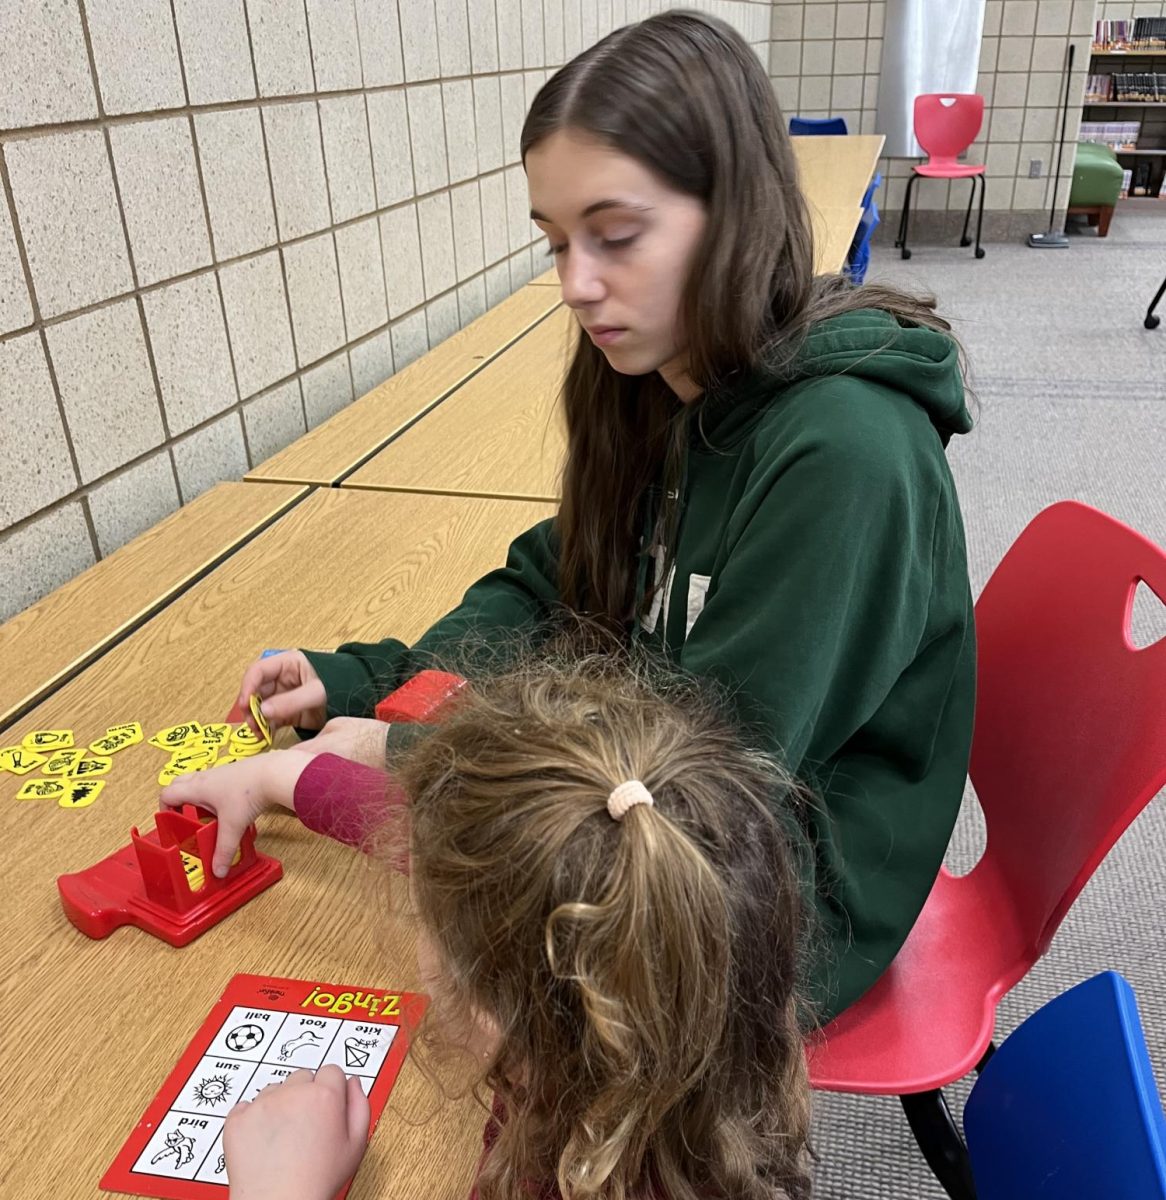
[648, 960]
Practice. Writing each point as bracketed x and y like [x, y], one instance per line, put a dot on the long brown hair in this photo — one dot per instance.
[640, 974]
[685, 95]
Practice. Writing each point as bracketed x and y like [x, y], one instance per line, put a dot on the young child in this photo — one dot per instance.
[755, 486]
[609, 917]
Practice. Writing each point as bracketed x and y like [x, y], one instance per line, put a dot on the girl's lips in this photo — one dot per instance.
[604, 335]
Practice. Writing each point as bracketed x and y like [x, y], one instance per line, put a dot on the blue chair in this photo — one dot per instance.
[1067, 1108]
[817, 126]
[858, 260]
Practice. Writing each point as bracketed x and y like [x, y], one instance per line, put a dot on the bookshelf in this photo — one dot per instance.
[1125, 100]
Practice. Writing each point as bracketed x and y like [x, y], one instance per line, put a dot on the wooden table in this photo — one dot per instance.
[833, 234]
[58, 635]
[835, 173]
[499, 434]
[91, 1029]
[330, 452]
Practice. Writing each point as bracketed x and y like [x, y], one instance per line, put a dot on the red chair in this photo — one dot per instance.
[1069, 746]
[945, 126]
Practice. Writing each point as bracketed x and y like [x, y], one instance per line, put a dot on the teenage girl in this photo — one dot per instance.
[755, 485]
[609, 921]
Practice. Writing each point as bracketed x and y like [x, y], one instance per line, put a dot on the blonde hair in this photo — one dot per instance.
[641, 974]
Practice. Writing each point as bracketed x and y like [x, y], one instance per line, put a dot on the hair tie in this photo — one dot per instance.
[626, 796]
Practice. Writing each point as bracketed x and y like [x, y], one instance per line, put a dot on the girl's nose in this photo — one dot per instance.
[581, 282]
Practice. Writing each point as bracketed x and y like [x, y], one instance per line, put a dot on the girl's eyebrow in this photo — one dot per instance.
[598, 206]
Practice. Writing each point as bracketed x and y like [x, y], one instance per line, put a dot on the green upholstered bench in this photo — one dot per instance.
[1096, 185]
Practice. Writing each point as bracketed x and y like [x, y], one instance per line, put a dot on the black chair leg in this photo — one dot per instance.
[964, 239]
[987, 1057]
[941, 1143]
[980, 217]
[1152, 322]
[902, 221]
[905, 218]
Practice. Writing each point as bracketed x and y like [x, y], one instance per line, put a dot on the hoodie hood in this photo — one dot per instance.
[868, 344]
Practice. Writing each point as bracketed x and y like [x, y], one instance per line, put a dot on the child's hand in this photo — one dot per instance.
[237, 793]
[289, 688]
[359, 739]
[298, 1140]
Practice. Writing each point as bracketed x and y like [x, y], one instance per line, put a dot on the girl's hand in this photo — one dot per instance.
[237, 793]
[290, 690]
[358, 739]
[298, 1140]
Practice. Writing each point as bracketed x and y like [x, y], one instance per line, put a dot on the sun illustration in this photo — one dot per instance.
[214, 1090]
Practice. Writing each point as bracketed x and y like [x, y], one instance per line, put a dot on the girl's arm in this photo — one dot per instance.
[344, 800]
[331, 795]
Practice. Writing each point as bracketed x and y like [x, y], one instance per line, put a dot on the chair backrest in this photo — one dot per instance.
[1070, 736]
[1067, 1107]
[946, 123]
[802, 126]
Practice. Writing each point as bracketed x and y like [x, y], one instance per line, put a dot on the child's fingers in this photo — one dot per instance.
[261, 673]
[230, 834]
[285, 707]
[331, 1077]
[358, 1111]
[189, 790]
[167, 798]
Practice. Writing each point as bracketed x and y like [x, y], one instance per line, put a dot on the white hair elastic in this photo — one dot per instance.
[626, 796]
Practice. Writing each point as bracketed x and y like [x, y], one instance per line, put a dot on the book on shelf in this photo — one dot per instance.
[1143, 187]
[1140, 87]
[1098, 89]
[1145, 35]
[1117, 135]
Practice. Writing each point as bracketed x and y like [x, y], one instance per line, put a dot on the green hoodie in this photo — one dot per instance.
[820, 573]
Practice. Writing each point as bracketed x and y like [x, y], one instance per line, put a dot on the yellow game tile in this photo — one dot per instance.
[183, 761]
[42, 789]
[81, 793]
[132, 728]
[61, 760]
[168, 773]
[20, 760]
[111, 743]
[89, 766]
[192, 867]
[48, 739]
[260, 720]
[244, 735]
[214, 735]
[176, 736]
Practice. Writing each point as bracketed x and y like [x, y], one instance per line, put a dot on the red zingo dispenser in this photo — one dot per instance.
[159, 883]
[421, 698]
